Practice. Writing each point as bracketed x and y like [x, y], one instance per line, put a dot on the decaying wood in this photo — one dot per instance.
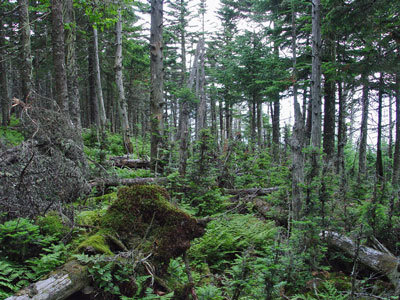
[376, 260]
[100, 182]
[61, 284]
[126, 162]
[253, 191]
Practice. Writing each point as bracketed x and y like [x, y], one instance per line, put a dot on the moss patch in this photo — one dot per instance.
[95, 244]
[142, 216]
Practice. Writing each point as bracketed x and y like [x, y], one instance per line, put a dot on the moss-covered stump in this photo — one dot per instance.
[143, 217]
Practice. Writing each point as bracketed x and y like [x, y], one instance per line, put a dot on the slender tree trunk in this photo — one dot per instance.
[213, 112]
[72, 67]
[157, 74]
[4, 99]
[329, 119]
[308, 122]
[26, 57]
[203, 105]
[93, 104]
[252, 109]
[341, 130]
[297, 141]
[362, 169]
[122, 105]
[99, 89]
[259, 123]
[390, 146]
[379, 159]
[60, 72]
[316, 76]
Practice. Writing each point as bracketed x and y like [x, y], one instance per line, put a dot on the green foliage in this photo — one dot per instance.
[9, 135]
[12, 278]
[21, 239]
[328, 291]
[209, 292]
[51, 225]
[229, 236]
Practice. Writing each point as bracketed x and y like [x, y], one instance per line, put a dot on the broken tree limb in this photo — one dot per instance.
[126, 162]
[253, 191]
[376, 260]
[100, 182]
[59, 285]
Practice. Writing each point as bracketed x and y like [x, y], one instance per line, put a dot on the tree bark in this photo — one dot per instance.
[126, 162]
[203, 105]
[60, 73]
[362, 169]
[297, 140]
[4, 99]
[252, 191]
[329, 119]
[376, 260]
[341, 129]
[101, 182]
[93, 104]
[72, 67]
[26, 56]
[122, 105]
[61, 284]
[98, 85]
[157, 75]
[379, 159]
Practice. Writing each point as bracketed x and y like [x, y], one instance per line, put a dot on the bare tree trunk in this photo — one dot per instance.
[72, 67]
[157, 75]
[329, 118]
[184, 118]
[316, 77]
[379, 159]
[201, 114]
[60, 72]
[362, 169]
[122, 105]
[259, 123]
[396, 159]
[26, 57]
[341, 129]
[297, 141]
[93, 104]
[99, 89]
[4, 99]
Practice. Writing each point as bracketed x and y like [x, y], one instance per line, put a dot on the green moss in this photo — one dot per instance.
[90, 217]
[142, 214]
[96, 244]
[107, 198]
[51, 224]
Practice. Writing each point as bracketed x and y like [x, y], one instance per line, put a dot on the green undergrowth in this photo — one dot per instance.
[10, 135]
[30, 250]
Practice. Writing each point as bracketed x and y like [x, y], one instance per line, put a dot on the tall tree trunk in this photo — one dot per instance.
[99, 89]
[379, 159]
[390, 146]
[316, 76]
[341, 129]
[297, 141]
[72, 67]
[122, 105]
[92, 100]
[201, 114]
[259, 123]
[60, 72]
[329, 118]
[4, 99]
[213, 112]
[362, 169]
[184, 118]
[157, 74]
[26, 57]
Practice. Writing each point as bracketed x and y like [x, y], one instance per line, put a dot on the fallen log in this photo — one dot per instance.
[62, 283]
[378, 261]
[252, 191]
[107, 182]
[126, 162]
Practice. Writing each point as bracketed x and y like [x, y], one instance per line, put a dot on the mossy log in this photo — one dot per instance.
[126, 162]
[59, 285]
[253, 191]
[107, 182]
[378, 261]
